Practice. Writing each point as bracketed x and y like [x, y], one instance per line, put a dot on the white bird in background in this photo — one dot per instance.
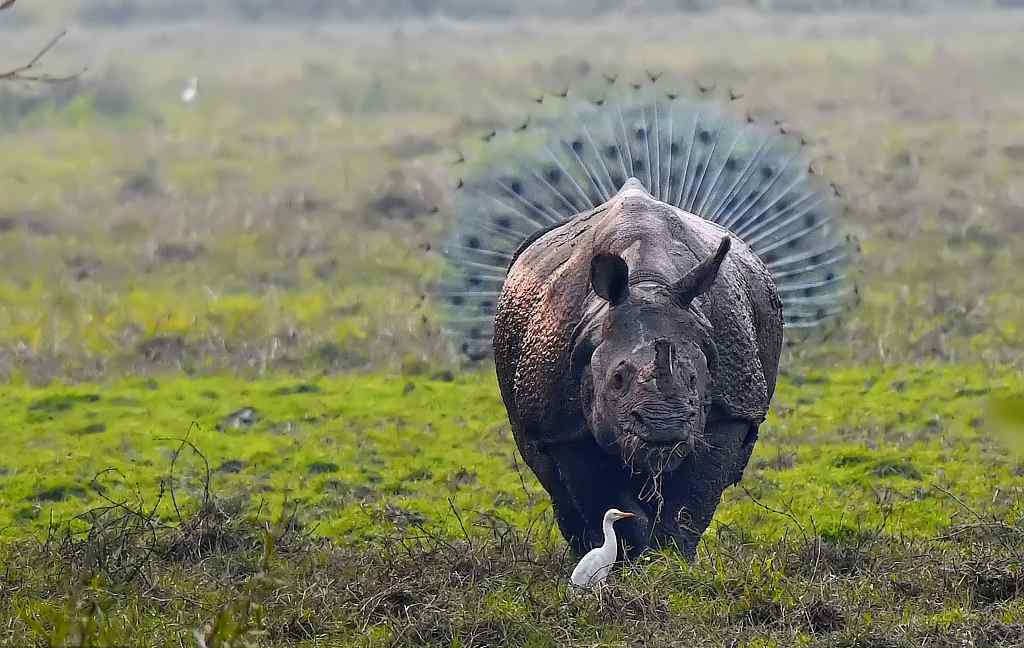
[597, 564]
[188, 95]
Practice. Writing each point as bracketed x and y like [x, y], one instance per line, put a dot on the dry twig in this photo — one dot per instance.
[25, 72]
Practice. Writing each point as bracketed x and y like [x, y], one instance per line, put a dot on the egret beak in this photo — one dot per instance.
[624, 515]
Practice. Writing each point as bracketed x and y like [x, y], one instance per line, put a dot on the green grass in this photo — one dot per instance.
[857, 469]
[332, 446]
[838, 445]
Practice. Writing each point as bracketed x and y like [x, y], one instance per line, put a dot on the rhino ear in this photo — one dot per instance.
[609, 276]
[700, 279]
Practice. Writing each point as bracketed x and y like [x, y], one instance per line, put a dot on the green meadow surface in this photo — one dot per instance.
[848, 449]
[230, 416]
[407, 490]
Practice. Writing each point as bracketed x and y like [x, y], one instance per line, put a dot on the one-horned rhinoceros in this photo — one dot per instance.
[654, 251]
[636, 348]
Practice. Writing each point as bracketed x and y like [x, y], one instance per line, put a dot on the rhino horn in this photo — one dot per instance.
[609, 276]
[701, 277]
[663, 351]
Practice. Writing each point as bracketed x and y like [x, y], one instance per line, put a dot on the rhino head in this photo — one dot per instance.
[645, 393]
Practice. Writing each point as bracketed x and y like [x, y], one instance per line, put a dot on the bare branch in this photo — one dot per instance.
[24, 73]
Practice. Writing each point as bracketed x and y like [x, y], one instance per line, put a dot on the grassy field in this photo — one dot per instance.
[231, 418]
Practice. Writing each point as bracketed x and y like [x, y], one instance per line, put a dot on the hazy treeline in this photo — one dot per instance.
[126, 11]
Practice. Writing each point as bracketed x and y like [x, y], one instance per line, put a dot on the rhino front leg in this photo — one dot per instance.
[693, 491]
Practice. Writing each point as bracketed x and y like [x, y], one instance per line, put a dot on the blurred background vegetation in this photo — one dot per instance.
[125, 11]
[291, 216]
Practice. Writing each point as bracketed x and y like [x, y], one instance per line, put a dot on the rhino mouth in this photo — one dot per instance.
[665, 431]
[643, 454]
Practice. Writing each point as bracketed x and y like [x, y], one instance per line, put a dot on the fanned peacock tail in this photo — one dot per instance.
[755, 180]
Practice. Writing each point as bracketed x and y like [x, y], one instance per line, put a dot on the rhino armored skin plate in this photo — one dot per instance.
[633, 274]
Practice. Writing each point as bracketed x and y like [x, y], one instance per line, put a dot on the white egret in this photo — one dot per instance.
[597, 564]
[188, 95]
